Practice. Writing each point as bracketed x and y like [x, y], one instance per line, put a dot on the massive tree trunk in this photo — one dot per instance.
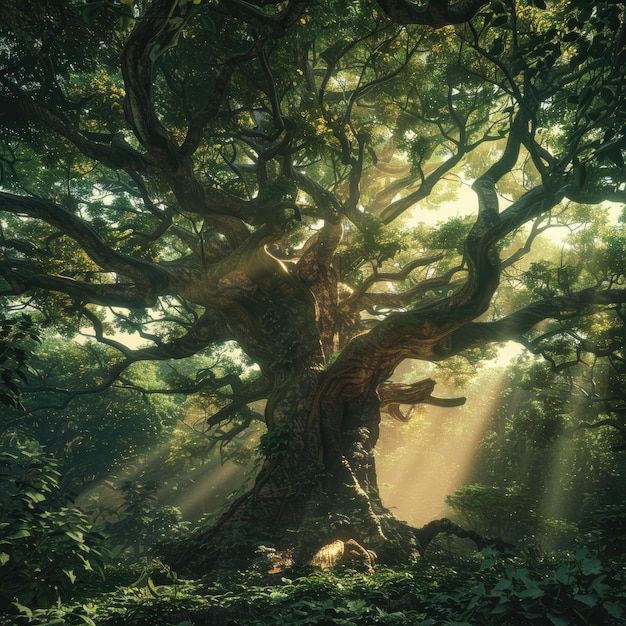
[318, 481]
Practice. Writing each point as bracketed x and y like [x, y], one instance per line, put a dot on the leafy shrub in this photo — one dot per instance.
[45, 542]
[15, 334]
[141, 521]
[605, 526]
[495, 511]
[580, 591]
[510, 512]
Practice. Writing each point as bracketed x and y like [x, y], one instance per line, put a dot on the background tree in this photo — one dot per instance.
[248, 172]
[91, 436]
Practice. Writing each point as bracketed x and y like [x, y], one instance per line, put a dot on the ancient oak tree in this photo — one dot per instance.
[253, 172]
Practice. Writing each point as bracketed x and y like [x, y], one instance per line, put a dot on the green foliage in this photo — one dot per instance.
[273, 444]
[539, 278]
[46, 543]
[378, 242]
[604, 525]
[142, 521]
[496, 511]
[451, 234]
[579, 591]
[439, 589]
[419, 150]
[616, 252]
[15, 336]
[511, 513]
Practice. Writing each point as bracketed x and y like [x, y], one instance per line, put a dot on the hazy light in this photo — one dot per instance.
[416, 477]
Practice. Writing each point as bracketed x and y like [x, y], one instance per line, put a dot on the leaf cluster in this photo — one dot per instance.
[46, 543]
[17, 337]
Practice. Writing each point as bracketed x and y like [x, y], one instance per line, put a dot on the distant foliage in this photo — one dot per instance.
[496, 511]
[141, 521]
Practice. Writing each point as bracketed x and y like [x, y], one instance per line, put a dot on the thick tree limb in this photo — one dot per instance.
[108, 150]
[396, 208]
[275, 26]
[427, 533]
[436, 13]
[326, 203]
[520, 322]
[149, 278]
[360, 299]
[209, 329]
[392, 395]
[213, 103]
[152, 36]
[127, 296]
[386, 301]
[155, 34]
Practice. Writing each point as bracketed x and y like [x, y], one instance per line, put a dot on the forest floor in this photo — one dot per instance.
[446, 586]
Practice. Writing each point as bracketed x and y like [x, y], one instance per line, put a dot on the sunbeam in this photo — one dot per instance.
[209, 487]
[422, 462]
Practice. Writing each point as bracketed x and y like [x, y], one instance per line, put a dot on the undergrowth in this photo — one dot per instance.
[440, 588]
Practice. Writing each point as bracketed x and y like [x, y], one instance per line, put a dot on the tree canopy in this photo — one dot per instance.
[182, 176]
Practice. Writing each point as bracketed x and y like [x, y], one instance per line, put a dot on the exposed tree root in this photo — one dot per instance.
[427, 533]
